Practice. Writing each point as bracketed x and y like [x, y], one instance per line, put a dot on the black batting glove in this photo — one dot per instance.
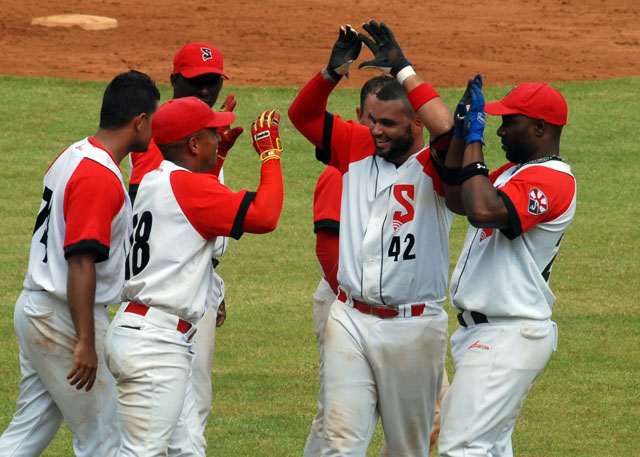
[344, 53]
[386, 50]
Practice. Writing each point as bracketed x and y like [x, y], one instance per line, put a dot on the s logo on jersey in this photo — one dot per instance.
[538, 203]
[206, 54]
[404, 194]
[485, 233]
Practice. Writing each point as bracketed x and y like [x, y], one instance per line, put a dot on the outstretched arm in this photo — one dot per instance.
[264, 211]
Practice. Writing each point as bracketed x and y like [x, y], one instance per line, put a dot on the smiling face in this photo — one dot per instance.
[517, 134]
[391, 129]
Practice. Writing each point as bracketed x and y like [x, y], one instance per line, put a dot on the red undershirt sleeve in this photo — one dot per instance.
[264, 211]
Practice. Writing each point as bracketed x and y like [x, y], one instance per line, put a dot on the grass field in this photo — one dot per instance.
[587, 403]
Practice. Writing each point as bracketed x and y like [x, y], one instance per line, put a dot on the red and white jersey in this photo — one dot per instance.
[505, 273]
[394, 224]
[84, 206]
[394, 230]
[177, 217]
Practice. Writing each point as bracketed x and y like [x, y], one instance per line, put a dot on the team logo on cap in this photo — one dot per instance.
[206, 54]
[538, 203]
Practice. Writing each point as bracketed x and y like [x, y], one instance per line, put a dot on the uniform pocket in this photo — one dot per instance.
[38, 311]
[535, 333]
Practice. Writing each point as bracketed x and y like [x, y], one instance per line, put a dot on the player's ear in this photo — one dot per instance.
[174, 79]
[359, 114]
[193, 145]
[138, 122]
[416, 124]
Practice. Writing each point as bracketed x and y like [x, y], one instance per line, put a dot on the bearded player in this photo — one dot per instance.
[386, 332]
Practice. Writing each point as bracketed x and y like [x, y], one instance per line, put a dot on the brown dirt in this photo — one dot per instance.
[284, 42]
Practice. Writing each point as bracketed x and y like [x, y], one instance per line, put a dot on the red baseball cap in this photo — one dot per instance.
[181, 117]
[536, 100]
[195, 59]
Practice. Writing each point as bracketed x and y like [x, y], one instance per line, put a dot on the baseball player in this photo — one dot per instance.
[518, 216]
[198, 71]
[326, 213]
[178, 213]
[386, 333]
[78, 249]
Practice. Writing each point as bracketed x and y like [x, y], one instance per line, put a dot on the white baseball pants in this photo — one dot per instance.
[496, 364]
[204, 346]
[156, 408]
[323, 298]
[390, 368]
[47, 337]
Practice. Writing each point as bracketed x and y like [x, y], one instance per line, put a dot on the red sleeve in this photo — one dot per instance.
[327, 251]
[326, 200]
[340, 142]
[144, 162]
[535, 195]
[211, 207]
[92, 198]
[264, 211]
[430, 170]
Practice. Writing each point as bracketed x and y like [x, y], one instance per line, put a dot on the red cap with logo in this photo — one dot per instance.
[181, 117]
[535, 100]
[195, 59]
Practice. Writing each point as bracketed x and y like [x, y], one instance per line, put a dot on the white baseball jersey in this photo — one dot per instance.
[394, 232]
[177, 217]
[84, 205]
[505, 273]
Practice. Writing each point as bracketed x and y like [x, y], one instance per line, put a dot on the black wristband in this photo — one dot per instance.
[451, 176]
[399, 66]
[331, 72]
[473, 169]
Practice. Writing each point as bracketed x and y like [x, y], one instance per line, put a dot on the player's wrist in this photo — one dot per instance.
[271, 154]
[330, 75]
[404, 73]
[420, 95]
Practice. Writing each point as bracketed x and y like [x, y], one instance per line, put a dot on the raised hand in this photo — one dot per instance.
[344, 53]
[388, 55]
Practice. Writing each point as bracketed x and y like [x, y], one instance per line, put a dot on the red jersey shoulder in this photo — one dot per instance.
[209, 206]
[540, 194]
[429, 168]
[93, 197]
[496, 173]
[327, 196]
[350, 142]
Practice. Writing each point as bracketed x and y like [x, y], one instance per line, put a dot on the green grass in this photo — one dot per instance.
[587, 403]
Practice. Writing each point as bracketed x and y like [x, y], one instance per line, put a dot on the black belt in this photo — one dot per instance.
[476, 317]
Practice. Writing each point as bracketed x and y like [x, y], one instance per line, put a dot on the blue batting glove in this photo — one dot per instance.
[475, 120]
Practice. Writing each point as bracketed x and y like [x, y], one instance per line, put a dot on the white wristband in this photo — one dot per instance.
[405, 73]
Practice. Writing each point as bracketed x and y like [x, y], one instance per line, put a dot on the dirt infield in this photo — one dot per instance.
[284, 42]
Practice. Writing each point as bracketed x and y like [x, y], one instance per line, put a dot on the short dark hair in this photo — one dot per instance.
[373, 86]
[127, 95]
[394, 91]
